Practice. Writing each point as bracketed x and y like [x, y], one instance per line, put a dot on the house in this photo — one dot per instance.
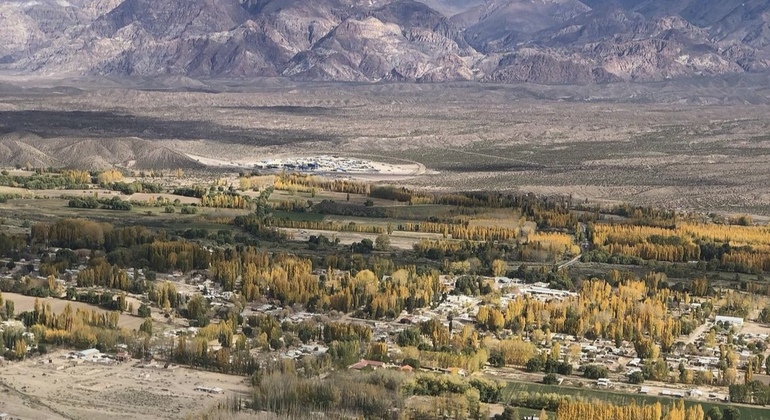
[88, 353]
[363, 364]
[123, 357]
[730, 320]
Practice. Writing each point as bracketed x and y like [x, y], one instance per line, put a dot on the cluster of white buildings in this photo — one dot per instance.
[319, 164]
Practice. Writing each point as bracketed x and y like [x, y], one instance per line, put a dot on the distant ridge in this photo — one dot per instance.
[506, 41]
[21, 148]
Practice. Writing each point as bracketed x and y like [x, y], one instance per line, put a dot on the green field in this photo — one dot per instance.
[422, 211]
[618, 398]
[305, 217]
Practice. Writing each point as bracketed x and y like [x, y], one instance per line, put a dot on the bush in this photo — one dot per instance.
[554, 366]
[636, 378]
[534, 364]
[414, 363]
[550, 379]
[144, 311]
[595, 372]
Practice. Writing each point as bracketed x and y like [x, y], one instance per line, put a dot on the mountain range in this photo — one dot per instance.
[506, 41]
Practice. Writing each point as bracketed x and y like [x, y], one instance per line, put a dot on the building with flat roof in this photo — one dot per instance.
[88, 353]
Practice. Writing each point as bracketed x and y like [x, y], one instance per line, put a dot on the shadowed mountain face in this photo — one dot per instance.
[509, 41]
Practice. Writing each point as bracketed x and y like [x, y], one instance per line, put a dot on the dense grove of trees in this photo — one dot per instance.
[130, 188]
[195, 191]
[290, 280]
[730, 247]
[309, 183]
[633, 313]
[114, 203]
[752, 392]
[329, 226]
[82, 233]
[578, 410]
[71, 180]
[462, 231]
[225, 200]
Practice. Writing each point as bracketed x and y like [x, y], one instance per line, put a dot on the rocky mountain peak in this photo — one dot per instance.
[540, 41]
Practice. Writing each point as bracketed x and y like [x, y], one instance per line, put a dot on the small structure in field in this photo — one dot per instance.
[209, 390]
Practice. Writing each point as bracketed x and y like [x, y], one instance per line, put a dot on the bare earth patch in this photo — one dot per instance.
[96, 391]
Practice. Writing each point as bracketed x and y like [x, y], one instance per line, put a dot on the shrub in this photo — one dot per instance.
[550, 379]
[595, 372]
[636, 378]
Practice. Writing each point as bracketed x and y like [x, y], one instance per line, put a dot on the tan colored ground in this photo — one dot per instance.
[101, 193]
[172, 197]
[398, 240]
[91, 391]
[14, 190]
[750, 327]
[27, 303]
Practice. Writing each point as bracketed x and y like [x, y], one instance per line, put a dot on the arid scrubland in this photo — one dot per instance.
[690, 147]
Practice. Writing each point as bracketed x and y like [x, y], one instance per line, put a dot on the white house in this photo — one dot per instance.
[88, 353]
[731, 320]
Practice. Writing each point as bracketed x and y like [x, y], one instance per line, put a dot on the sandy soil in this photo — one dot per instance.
[754, 328]
[91, 391]
[27, 303]
[15, 190]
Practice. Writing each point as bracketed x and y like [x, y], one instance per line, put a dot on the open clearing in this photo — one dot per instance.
[95, 391]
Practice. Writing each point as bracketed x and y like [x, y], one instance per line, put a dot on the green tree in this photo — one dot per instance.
[731, 413]
[534, 364]
[382, 242]
[197, 307]
[595, 371]
[714, 413]
[636, 378]
[9, 308]
[144, 311]
[550, 379]
[146, 326]
[509, 413]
